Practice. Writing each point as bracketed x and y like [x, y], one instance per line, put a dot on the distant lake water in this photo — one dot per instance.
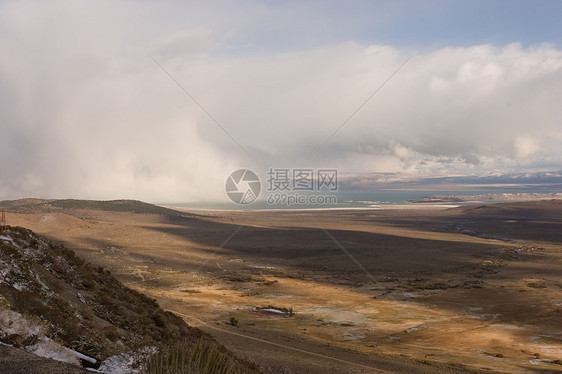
[358, 199]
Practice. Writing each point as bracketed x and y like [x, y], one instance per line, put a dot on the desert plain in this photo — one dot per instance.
[469, 289]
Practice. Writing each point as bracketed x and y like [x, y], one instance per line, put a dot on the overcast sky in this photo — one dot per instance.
[85, 112]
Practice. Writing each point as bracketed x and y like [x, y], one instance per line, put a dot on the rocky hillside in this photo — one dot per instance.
[54, 304]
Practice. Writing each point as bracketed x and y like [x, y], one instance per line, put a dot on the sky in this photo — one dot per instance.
[160, 101]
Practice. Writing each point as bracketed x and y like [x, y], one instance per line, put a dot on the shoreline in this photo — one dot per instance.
[434, 202]
[377, 207]
[489, 197]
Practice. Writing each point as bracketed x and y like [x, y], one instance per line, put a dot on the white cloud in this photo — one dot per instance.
[526, 146]
[85, 112]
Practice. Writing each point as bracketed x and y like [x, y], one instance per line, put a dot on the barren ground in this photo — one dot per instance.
[468, 289]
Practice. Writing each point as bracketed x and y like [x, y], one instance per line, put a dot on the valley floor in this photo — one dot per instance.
[471, 289]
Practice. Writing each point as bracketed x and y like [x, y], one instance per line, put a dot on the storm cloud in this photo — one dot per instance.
[86, 112]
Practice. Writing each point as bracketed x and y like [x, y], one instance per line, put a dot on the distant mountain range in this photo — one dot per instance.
[550, 181]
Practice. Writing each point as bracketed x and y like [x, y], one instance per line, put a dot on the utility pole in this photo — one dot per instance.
[3, 222]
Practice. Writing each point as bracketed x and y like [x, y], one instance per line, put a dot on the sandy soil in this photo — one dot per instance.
[475, 288]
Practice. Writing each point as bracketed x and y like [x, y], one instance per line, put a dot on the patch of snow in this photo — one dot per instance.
[19, 287]
[270, 310]
[504, 326]
[3, 272]
[349, 336]
[539, 361]
[127, 363]
[551, 350]
[484, 316]
[264, 267]
[414, 329]
[7, 239]
[43, 285]
[51, 349]
[82, 356]
[13, 323]
[475, 309]
[546, 336]
[407, 294]
[81, 297]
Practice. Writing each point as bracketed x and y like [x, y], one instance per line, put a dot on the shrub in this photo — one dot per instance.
[205, 357]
